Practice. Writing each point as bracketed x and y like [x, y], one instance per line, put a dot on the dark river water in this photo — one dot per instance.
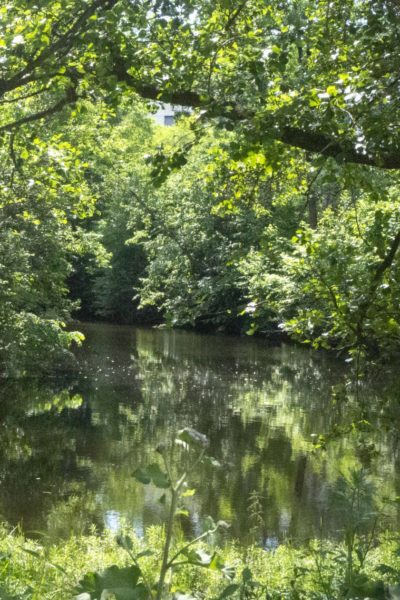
[69, 447]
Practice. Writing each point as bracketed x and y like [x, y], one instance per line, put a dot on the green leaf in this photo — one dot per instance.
[124, 541]
[228, 591]
[217, 563]
[123, 579]
[332, 90]
[247, 575]
[137, 593]
[188, 493]
[198, 557]
[152, 473]
[159, 478]
[142, 476]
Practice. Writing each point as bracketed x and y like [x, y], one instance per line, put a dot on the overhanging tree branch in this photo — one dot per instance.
[386, 262]
[58, 49]
[297, 137]
[322, 144]
[70, 98]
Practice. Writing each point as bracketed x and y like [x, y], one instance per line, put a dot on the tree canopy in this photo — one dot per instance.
[320, 75]
[273, 206]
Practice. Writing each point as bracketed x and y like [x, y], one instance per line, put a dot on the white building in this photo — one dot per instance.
[165, 115]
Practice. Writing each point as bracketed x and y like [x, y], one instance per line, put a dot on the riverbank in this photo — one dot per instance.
[318, 570]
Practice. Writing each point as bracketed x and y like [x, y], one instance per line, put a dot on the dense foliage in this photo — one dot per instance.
[321, 75]
[229, 240]
[272, 207]
[43, 196]
[317, 571]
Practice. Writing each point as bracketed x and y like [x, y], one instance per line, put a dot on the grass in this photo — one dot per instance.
[32, 571]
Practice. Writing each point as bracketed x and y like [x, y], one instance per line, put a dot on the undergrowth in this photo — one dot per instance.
[32, 571]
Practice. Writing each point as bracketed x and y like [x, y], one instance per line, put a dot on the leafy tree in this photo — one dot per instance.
[120, 181]
[318, 75]
[196, 227]
[40, 202]
[314, 80]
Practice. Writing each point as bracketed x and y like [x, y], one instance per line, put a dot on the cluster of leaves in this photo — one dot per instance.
[197, 226]
[337, 286]
[322, 76]
[322, 570]
[332, 572]
[43, 195]
[220, 242]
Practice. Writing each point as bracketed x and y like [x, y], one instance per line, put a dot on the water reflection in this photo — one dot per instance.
[69, 447]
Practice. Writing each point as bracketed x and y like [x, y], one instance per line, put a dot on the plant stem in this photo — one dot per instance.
[168, 536]
[145, 580]
[200, 537]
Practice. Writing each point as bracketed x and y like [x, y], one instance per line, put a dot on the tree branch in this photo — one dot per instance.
[25, 96]
[63, 45]
[322, 144]
[235, 14]
[380, 270]
[387, 261]
[317, 143]
[70, 98]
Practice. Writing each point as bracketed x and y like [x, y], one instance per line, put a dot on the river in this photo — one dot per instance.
[70, 445]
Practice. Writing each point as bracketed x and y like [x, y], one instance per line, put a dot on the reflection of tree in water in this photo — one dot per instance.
[71, 452]
[260, 411]
[40, 468]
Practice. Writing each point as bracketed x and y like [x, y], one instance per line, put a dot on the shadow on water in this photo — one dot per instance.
[69, 448]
